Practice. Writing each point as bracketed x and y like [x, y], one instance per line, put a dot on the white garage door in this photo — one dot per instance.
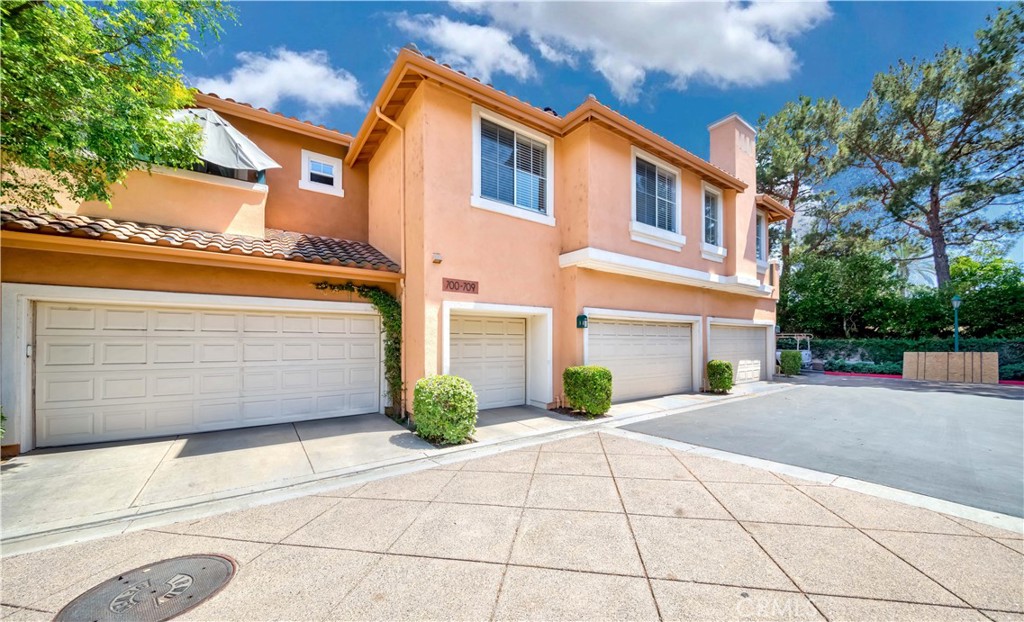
[119, 372]
[645, 358]
[742, 346]
[491, 354]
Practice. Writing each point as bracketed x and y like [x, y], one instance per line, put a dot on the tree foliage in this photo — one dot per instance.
[795, 147]
[864, 295]
[941, 143]
[87, 92]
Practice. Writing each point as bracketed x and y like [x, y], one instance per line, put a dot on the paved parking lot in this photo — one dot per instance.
[594, 527]
[955, 442]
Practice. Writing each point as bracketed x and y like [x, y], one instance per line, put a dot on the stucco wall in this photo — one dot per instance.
[84, 270]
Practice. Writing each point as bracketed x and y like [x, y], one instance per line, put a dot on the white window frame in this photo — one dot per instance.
[304, 182]
[648, 234]
[480, 202]
[712, 251]
[762, 230]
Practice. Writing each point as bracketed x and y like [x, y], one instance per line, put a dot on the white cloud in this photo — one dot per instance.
[480, 51]
[726, 44]
[305, 77]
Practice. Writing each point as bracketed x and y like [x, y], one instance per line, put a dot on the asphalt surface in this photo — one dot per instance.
[959, 443]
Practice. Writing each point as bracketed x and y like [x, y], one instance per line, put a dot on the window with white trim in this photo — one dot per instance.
[761, 239]
[657, 210]
[655, 196]
[321, 173]
[513, 168]
[712, 217]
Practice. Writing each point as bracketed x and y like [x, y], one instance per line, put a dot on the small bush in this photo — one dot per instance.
[444, 409]
[1012, 372]
[719, 376]
[589, 388]
[864, 367]
[790, 362]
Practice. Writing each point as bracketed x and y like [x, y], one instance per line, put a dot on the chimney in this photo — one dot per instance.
[732, 148]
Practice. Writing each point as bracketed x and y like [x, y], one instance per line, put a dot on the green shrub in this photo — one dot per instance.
[864, 367]
[1012, 372]
[589, 388]
[882, 351]
[790, 362]
[719, 376]
[444, 409]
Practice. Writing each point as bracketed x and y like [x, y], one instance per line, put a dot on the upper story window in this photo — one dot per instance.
[512, 168]
[656, 202]
[760, 245]
[761, 239]
[321, 173]
[712, 247]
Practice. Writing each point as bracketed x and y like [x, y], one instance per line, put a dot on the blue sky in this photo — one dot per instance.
[674, 68]
[326, 60]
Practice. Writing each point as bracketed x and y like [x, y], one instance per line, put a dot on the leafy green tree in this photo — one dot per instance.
[794, 150]
[991, 289]
[942, 143]
[848, 296]
[87, 89]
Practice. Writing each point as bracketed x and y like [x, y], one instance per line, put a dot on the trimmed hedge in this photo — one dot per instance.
[1011, 372]
[864, 368]
[444, 409]
[882, 351]
[790, 362]
[589, 388]
[719, 376]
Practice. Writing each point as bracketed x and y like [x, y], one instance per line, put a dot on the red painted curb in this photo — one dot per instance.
[854, 373]
[1016, 383]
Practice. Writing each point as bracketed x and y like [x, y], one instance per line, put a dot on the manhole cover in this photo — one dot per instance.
[155, 592]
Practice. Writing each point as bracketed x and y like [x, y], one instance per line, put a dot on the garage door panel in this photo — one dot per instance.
[744, 347]
[491, 354]
[186, 370]
[645, 358]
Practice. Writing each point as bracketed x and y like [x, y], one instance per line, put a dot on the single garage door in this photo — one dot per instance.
[490, 352]
[120, 372]
[646, 358]
[744, 347]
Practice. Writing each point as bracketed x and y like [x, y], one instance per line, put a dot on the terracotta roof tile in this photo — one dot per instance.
[278, 244]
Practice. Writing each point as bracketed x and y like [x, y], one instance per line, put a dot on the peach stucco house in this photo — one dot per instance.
[518, 242]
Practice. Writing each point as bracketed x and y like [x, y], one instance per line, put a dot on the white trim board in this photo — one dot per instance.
[696, 333]
[539, 342]
[617, 263]
[17, 304]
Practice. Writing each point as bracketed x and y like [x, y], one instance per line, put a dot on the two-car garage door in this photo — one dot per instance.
[645, 358]
[106, 372]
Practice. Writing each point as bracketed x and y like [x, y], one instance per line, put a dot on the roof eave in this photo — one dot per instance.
[271, 118]
[113, 248]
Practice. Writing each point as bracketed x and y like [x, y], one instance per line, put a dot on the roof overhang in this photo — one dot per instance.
[236, 109]
[773, 207]
[411, 69]
[128, 250]
[628, 265]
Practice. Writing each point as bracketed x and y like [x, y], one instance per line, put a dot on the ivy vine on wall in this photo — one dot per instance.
[391, 317]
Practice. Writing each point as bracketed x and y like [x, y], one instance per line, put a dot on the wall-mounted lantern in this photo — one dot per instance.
[581, 321]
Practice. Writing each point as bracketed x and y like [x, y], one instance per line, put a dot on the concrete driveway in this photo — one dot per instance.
[594, 527]
[956, 442]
